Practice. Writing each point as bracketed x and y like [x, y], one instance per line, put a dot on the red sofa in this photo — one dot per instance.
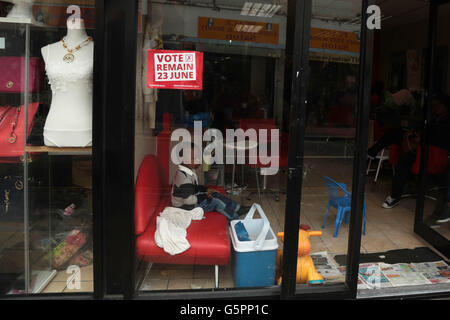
[210, 244]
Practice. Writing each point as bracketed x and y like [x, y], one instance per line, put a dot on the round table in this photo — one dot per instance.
[249, 145]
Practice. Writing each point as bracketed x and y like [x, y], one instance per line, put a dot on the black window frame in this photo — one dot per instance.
[288, 289]
[113, 163]
[438, 241]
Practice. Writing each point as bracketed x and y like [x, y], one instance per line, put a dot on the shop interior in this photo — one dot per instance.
[329, 148]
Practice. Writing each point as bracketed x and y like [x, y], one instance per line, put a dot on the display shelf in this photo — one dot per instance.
[25, 38]
[16, 20]
[58, 151]
[22, 20]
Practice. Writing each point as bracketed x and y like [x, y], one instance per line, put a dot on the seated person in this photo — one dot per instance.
[187, 194]
[439, 131]
[389, 116]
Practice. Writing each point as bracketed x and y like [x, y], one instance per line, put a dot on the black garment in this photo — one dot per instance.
[392, 136]
[186, 190]
[402, 173]
[439, 133]
[443, 182]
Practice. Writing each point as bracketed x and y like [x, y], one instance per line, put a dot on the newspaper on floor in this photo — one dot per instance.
[332, 273]
[403, 274]
[436, 272]
[327, 268]
[361, 284]
[372, 276]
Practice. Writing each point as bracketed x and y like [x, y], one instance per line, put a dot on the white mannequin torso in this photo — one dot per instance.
[69, 122]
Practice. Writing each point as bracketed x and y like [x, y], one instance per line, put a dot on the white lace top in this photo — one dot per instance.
[61, 74]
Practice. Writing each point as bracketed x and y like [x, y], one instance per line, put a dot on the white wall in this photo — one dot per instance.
[145, 144]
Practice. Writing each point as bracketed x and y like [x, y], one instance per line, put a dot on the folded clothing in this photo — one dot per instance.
[171, 228]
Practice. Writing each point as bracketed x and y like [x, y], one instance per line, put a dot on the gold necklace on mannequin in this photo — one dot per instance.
[69, 57]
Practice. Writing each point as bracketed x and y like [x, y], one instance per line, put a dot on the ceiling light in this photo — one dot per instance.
[255, 9]
[246, 8]
[273, 11]
[265, 8]
[259, 9]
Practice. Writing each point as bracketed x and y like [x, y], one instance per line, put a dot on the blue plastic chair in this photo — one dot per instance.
[341, 203]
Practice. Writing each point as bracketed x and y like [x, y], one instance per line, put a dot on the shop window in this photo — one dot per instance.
[330, 134]
[46, 62]
[435, 195]
[399, 201]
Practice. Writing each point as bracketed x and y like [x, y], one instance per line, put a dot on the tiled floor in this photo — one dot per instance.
[59, 282]
[386, 229]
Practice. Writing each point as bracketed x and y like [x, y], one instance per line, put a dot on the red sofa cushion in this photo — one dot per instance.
[149, 190]
[437, 160]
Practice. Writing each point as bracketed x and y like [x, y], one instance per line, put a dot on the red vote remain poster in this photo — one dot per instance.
[168, 69]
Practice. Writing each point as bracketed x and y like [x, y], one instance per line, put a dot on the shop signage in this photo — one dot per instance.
[334, 46]
[169, 69]
[238, 30]
[334, 40]
[336, 58]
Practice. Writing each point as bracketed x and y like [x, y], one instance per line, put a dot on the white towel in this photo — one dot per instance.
[171, 229]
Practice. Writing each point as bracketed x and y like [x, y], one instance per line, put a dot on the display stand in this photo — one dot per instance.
[21, 20]
[34, 280]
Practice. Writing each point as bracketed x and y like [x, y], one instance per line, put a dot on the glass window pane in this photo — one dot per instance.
[391, 252]
[330, 134]
[437, 197]
[46, 62]
[232, 56]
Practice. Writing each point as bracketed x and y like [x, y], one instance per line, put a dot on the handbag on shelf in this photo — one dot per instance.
[12, 131]
[12, 75]
[12, 197]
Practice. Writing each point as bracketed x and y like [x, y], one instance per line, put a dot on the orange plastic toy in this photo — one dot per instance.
[306, 271]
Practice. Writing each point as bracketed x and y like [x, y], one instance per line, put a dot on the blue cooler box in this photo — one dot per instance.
[254, 261]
